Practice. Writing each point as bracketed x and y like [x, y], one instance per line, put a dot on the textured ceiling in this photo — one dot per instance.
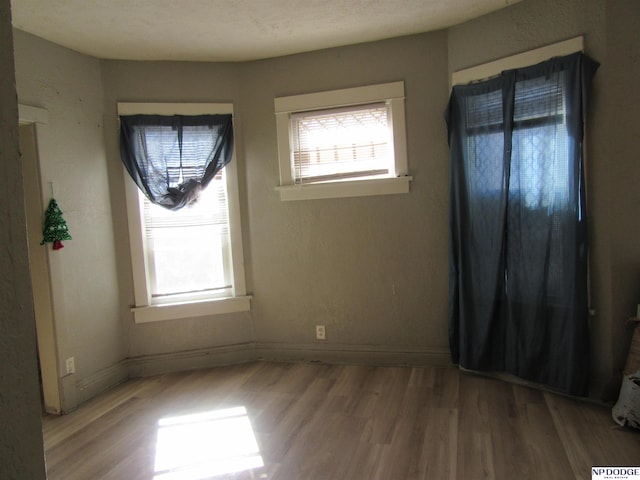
[232, 30]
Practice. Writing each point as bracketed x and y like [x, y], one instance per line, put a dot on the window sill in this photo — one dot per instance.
[354, 188]
[175, 311]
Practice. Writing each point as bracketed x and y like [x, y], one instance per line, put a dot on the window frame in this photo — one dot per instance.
[145, 309]
[488, 70]
[520, 60]
[392, 94]
[524, 59]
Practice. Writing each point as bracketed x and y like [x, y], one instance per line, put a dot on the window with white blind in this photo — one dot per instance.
[342, 143]
[187, 262]
[188, 251]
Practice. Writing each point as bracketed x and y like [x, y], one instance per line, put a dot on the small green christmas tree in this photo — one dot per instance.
[55, 228]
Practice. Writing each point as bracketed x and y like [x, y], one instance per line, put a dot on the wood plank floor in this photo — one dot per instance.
[283, 421]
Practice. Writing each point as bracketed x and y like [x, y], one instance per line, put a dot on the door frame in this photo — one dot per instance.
[32, 120]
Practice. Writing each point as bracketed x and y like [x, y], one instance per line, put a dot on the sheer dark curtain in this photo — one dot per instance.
[518, 235]
[171, 158]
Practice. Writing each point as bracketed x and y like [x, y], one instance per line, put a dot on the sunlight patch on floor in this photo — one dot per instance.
[204, 445]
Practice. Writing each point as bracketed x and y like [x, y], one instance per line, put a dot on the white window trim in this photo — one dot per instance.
[391, 93]
[144, 311]
[520, 60]
[531, 57]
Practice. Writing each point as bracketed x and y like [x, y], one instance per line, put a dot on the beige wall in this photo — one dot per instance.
[21, 446]
[335, 262]
[84, 285]
[622, 144]
[183, 343]
[373, 269]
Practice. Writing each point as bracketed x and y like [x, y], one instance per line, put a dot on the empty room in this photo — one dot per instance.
[298, 240]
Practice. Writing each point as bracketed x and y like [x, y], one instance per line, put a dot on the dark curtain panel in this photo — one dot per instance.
[518, 235]
[171, 158]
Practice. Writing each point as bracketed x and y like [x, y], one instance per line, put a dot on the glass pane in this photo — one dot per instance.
[341, 143]
[188, 250]
[172, 162]
[189, 259]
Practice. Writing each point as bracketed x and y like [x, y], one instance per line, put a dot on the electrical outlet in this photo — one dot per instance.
[71, 365]
[320, 332]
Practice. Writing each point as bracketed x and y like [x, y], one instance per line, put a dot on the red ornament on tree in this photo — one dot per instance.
[55, 228]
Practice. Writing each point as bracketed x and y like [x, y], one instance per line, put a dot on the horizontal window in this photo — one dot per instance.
[342, 143]
[339, 144]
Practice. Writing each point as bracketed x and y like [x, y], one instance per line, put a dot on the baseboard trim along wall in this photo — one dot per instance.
[353, 354]
[91, 385]
[147, 365]
[157, 364]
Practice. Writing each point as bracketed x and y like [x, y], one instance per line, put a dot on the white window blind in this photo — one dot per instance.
[188, 251]
[342, 143]
[197, 142]
[537, 100]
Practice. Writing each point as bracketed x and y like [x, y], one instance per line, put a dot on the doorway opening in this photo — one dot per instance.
[39, 261]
